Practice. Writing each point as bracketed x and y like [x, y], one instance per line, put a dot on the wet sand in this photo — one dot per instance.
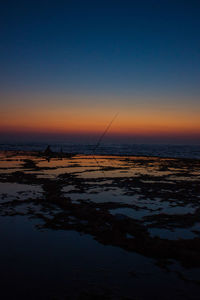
[128, 227]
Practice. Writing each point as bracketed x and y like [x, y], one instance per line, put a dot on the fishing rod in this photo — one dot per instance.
[104, 133]
[100, 139]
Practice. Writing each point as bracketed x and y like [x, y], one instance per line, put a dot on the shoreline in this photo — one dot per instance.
[66, 155]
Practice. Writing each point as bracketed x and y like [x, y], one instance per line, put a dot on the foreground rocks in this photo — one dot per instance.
[154, 183]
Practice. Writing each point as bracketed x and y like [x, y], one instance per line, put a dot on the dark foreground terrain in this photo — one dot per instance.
[103, 227]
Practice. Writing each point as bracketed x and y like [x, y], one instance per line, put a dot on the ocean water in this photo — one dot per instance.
[181, 151]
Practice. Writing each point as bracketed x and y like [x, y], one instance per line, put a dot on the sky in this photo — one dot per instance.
[67, 67]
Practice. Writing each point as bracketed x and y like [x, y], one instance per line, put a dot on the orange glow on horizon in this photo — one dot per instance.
[128, 125]
[88, 119]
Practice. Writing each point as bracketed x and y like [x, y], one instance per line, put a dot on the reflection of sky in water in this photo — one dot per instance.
[88, 167]
[184, 178]
[54, 162]
[101, 196]
[9, 165]
[115, 195]
[175, 234]
[10, 170]
[53, 173]
[66, 262]
[140, 213]
[168, 207]
[11, 191]
[122, 172]
[130, 212]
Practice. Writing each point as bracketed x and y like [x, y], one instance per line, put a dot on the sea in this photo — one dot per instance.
[160, 150]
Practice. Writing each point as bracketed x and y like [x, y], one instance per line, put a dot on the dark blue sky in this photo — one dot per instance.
[112, 47]
[69, 66]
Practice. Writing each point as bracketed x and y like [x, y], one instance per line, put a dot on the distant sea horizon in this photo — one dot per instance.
[160, 150]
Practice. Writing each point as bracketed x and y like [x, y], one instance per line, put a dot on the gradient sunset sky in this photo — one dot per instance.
[67, 67]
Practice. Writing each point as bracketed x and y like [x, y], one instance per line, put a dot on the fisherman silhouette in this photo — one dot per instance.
[48, 151]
